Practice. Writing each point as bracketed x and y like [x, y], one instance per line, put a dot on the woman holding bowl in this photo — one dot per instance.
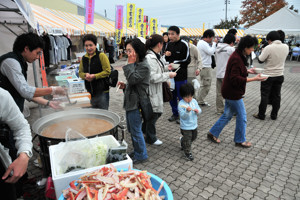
[233, 89]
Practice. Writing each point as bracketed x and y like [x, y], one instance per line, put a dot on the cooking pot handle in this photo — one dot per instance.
[35, 149]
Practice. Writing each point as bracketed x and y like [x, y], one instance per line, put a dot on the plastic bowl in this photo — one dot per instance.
[258, 70]
[156, 181]
[175, 66]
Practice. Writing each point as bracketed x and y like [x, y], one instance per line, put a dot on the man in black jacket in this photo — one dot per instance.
[177, 52]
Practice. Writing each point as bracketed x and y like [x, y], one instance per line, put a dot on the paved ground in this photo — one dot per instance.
[268, 170]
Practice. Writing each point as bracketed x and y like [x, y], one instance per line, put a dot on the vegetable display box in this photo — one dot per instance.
[61, 180]
[76, 86]
[63, 80]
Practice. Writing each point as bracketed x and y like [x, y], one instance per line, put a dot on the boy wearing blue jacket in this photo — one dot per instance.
[188, 110]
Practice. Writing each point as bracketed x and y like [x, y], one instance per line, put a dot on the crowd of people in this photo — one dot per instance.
[151, 63]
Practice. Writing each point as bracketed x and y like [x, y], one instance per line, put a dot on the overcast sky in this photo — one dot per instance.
[186, 13]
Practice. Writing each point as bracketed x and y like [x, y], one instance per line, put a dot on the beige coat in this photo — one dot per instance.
[196, 61]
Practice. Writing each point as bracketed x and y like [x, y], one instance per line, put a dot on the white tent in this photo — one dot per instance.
[15, 18]
[284, 19]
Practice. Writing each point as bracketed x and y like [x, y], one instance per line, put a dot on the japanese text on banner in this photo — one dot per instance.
[89, 11]
[119, 34]
[142, 30]
[153, 26]
[139, 15]
[130, 15]
[119, 17]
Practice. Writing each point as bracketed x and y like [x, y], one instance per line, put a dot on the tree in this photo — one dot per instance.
[254, 11]
[228, 24]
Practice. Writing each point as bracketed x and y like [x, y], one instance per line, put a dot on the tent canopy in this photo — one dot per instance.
[284, 19]
[15, 18]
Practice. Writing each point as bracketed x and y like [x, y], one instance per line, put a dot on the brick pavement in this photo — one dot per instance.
[268, 170]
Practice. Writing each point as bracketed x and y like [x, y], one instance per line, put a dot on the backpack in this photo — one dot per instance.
[112, 79]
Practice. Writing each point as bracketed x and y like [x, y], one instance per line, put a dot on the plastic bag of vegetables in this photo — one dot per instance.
[81, 154]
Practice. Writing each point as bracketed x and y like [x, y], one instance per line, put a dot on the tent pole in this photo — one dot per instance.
[35, 78]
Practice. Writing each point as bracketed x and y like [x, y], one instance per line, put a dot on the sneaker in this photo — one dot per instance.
[204, 104]
[189, 156]
[178, 121]
[181, 143]
[158, 142]
[173, 118]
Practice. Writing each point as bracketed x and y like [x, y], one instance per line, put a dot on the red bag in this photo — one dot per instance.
[50, 192]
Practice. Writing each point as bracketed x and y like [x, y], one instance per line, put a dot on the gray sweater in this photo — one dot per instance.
[138, 78]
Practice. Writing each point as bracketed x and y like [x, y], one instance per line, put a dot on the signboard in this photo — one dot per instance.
[153, 26]
[89, 11]
[130, 15]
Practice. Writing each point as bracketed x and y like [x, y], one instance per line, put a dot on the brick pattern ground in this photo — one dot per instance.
[268, 170]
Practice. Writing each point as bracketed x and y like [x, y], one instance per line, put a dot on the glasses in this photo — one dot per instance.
[128, 50]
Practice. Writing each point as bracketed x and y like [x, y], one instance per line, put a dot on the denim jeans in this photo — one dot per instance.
[134, 125]
[176, 95]
[149, 128]
[101, 101]
[270, 89]
[232, 107]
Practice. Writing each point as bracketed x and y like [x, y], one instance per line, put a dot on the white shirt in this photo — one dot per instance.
[10, 114]
[206, 51]
[11, 68]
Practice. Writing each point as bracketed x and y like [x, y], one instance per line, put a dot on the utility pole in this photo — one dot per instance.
[226, 3]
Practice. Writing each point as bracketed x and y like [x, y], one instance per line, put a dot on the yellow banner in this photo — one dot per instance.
[139, 15]
[142, 30]
[119, 34]
[130, 15]
[153, 26]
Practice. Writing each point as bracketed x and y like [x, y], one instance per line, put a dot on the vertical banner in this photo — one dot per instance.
[130, 15]
[141, 30]
[147, 25]
[119, 34]
[139, 15]
[119, 23]
[153, 26]
[89, 11]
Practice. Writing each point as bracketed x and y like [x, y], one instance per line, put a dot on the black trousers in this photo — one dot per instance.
[271, 88]
[149, 128]
[188, 137]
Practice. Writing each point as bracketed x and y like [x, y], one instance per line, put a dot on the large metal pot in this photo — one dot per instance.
[53, 118]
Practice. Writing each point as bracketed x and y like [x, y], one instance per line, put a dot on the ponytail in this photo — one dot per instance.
[153, 41]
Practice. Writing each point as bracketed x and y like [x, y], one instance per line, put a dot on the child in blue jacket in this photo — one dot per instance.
[188, 110]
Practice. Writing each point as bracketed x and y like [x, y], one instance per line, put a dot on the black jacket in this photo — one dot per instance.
[6, 84]
[96, 86]
[180, 54]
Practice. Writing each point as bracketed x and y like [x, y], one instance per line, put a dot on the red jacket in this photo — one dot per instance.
[234, 83]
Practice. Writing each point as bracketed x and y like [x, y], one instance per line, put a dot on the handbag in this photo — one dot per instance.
[145, 106]
[167, 93]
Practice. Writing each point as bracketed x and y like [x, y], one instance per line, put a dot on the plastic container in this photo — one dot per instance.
[63, 80]
[156, 181]
[61, 181]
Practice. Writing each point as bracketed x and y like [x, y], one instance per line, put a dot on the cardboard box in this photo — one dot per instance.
[76, 86]
[61, 181]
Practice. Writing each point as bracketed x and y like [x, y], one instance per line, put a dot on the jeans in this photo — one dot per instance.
[270, 89]
[134, 125]
[176, 94]
[101, 101]
[149, 128]
[232, 107]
